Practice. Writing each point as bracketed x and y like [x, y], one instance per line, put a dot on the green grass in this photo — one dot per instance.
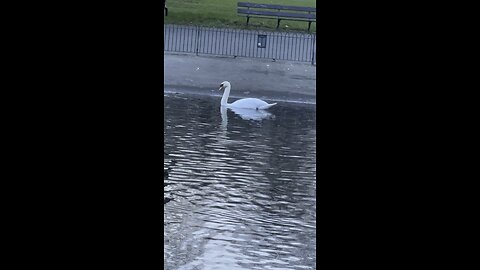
[223, 13]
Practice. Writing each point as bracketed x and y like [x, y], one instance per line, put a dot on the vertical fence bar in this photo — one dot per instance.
[290, 56]
[184, 32]
[313, 49]
[230, 43]
[276, 48]
[197, 39]
[305, 49]
[208, 46]
[203, 40]
[222, 44]
[295, 47]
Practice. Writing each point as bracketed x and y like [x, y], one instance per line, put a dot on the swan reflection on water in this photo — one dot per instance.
[245, 114]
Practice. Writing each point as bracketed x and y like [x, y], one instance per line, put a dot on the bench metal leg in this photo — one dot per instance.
[248, 18]
[309, 23]
[278, 23]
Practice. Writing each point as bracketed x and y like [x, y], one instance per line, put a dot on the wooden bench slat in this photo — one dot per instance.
[277, 14]
[280, 7]
[296, 15]
[257, 12]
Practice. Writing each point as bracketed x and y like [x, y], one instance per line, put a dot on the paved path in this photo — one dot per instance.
[261, 78]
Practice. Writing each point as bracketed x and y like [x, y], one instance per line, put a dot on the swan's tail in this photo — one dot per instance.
[267, 106]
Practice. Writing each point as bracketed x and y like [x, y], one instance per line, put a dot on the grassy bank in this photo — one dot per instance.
[223, 13]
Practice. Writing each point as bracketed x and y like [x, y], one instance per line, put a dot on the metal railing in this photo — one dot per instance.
[242, 43]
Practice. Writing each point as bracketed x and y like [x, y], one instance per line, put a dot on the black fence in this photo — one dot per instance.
[242, 43]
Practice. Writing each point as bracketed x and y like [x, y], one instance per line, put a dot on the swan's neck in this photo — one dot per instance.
[226, 93]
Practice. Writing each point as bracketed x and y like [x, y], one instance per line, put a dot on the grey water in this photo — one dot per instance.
[239, 186]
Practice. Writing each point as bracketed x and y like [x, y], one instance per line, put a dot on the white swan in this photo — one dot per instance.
[245, 103]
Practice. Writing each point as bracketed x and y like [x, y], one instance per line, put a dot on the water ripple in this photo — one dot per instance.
[241, 194]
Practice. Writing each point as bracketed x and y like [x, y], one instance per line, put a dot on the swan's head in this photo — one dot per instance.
[223, 85]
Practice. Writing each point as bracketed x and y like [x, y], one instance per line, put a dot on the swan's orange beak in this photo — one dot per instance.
[221, 87]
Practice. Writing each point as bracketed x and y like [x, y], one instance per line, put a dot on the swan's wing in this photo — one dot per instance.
[264, 107]
[249, 103]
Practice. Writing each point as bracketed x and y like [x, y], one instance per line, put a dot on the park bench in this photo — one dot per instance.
[279, 12]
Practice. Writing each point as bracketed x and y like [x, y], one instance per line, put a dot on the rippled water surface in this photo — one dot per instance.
[239, 186]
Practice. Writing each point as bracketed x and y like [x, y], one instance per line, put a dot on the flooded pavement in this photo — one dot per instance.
[294, 81]
[239, 186]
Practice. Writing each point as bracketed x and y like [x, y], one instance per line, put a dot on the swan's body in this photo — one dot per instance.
[245, 103]
[248, 114]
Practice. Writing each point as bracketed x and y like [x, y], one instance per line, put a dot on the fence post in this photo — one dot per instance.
[313, 48]
[196, 40]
